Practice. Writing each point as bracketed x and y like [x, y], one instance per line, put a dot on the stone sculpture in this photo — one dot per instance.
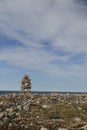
[26, 84]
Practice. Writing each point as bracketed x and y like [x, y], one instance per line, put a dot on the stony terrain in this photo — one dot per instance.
[43, 112]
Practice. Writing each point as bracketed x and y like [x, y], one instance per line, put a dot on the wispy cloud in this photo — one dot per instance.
[30, 22]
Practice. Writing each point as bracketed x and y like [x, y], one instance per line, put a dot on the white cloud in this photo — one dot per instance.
[37, 59]
[62, 21]
[30, 21]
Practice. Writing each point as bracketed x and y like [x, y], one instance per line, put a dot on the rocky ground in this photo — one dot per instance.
[43, 112]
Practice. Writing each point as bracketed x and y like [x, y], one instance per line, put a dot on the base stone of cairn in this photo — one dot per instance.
[26, 84]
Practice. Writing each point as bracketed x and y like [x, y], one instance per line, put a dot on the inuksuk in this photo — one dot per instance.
[26, 84]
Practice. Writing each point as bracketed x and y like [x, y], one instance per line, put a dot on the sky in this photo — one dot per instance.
[46, 39]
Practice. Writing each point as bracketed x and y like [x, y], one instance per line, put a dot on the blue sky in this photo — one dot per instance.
[46, 40]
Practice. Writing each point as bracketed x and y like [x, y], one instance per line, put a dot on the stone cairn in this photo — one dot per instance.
[26, 84]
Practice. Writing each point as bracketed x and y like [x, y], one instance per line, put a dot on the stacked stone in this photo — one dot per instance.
[25, 84]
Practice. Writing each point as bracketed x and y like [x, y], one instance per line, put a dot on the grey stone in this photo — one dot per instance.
[27, 127]
[0, 109]
[1, 114]
[19, 107]
[62, 129]
[46, 106]
[26, 108]
[43, 128]
[83, 128]
[6, 119]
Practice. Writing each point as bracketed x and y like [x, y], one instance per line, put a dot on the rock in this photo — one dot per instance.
[77, 119]
[1, 103]
[37, 117]
[0, 109]
[46, 106]
[14, 95]
[9, 110]
[26, 107]
[17, 114]
[27, 127]
[83, 128]
[10, 124]
[43, 128]
[6, 113]
[38, 101]
[1, 114]
[19, 107]
[79, 108]
[11, 114]
[6, 119]
[62, 129]
[1, 125]
[53, 115]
